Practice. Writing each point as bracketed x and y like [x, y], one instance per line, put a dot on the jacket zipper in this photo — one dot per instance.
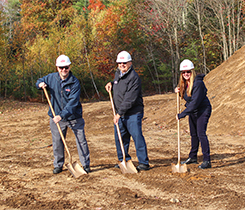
[61, 93]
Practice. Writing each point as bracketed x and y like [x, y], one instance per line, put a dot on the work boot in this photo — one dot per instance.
[87, 169]
[205, 164]
[57, 170]
[190, 161]
[143, 167]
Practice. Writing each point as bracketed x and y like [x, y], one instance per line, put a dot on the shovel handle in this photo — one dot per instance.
[58, 126]
[118, 129]
[178, 104]
[178, 127]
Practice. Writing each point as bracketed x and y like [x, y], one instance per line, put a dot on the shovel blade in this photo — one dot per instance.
[75, 169]
[127, 167]
[179, 168]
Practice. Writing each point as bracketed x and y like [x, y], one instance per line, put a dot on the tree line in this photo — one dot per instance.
[158, 34]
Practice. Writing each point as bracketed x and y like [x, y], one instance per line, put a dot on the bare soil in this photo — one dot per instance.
[26, 157]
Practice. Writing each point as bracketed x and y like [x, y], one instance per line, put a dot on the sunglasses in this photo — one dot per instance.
[123, 63]
[184, 72]
[64, 67]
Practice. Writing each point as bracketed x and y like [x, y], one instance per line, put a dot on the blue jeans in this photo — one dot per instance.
[198, 126]
[132, 126]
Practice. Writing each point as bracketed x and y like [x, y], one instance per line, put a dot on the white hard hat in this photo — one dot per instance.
[186, 65]
[63, 60]
[123, 56]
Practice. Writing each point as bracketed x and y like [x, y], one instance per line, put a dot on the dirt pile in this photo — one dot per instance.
[226, 92]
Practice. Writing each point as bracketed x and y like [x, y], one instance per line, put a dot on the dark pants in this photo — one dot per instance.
[132, 126]
[198, 127]
[77, 127]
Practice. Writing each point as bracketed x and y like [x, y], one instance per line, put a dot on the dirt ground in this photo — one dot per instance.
[27, 181]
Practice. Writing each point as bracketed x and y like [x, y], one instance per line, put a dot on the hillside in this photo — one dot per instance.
[226, 90]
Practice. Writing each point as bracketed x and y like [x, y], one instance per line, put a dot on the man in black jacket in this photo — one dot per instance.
[129, 108]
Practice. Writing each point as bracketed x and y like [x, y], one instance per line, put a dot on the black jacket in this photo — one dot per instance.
[127, 94]
[198, 101]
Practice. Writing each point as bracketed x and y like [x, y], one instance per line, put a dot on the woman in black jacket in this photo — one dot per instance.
[192, 89]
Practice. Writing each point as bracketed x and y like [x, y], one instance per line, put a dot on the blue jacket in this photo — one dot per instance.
[198, 101]
[65, 100]
[127, 93]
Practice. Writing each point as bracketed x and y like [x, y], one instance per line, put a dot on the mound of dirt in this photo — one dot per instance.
[226, 92]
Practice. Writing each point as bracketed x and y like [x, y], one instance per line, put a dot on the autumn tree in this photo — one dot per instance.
[4, 73]
[157, 33]
[115, 28]
[9, 15]
[39, 16]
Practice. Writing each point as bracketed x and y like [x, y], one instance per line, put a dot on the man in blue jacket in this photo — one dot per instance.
[65, 94]
[129, 109]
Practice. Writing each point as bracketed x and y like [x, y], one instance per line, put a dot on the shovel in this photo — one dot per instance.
[126, 167]
[179, 168]
[75, 169]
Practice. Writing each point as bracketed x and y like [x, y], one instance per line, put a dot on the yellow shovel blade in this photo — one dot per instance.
[179, 168]
[127, 167]
[75, 169]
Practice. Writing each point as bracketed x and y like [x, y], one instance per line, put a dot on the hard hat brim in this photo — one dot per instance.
[65, 64]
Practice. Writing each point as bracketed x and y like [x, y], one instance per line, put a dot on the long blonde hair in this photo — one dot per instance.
[183, 84]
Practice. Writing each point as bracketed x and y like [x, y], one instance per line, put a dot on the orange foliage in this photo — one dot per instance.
[96, 5]
[38, 16]
[113, 34]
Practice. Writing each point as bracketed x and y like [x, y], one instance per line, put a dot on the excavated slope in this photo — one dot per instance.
[226, 91]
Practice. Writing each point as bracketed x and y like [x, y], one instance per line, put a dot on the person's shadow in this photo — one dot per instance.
[217, 160]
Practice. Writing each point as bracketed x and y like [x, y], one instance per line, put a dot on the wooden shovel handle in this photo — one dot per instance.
[178, 104]
[118, 129]
[58, 126]
[178, 127]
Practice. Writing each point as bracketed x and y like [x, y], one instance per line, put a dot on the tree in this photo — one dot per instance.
[164, 20]
[38, 16]
[12, 15]
[113, 29]
[228, 24]
[197, 11]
